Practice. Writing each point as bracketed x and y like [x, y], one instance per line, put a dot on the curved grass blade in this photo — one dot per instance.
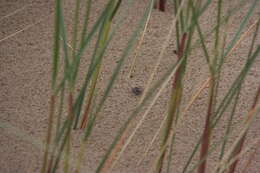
[226, 100]
[238, 92]
[96, 59]
[239, 146]
[66, 127]
[165, 77]
[75, 28]
[237, 35]
[164, 46]
[56, 49]
[242, 26]
[99, 50]
[86, 21]
[194, 97]
[248, 120]
[85, 43]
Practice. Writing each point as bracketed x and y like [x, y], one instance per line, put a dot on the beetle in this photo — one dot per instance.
[137, 91]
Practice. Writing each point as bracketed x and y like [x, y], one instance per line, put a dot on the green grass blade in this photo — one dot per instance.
[86, 20]
[75, 28]
[56, 47]
[226, 100]
[65, 130]
[55, 63]
[201, 37]
[238, 93]
[140, 106]
[63, 35]
[241, 27]
[199, 13]
[229, 48]
[224, 19]
[227, 132]
[60, 111]
[85, 43]
[96, 58]
[100, 44]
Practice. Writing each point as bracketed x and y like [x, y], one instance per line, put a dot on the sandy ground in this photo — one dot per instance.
[25, 66]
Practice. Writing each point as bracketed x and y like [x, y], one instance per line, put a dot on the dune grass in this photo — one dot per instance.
[81, 110]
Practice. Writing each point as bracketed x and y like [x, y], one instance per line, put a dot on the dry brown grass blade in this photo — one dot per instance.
[137, 50]
[119, 144]
[149, 146]
[204, 85]
[15, 11]
[243, 36]
[196, 95]
[24, 29]
[164, 46]
[69, 45]
[109, 162]
[240, 155]
[175, 100]
[145, 114]
[193, 99]
[222, 164]
[163, 149]
[240, 145]
[33, 140]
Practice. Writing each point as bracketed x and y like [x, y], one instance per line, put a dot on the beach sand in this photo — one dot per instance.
[26, 40]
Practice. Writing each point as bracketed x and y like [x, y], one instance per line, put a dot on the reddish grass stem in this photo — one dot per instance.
[85, 115]
[113, 154]
[179, 52]
[88, 105]
[176, 89]
[207, 131]
[240, 144]
[160, 5]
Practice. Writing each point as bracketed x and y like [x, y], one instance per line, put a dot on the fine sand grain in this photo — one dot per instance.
[25, 70]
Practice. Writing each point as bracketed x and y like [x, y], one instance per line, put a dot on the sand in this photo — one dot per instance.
[25, 71]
